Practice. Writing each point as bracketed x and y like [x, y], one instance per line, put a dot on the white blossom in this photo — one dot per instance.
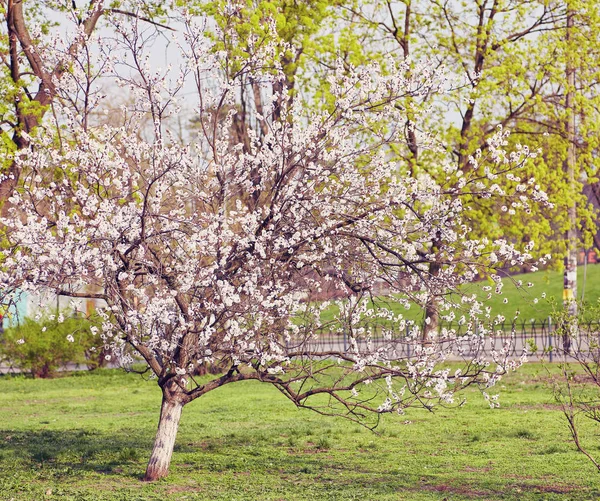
[229, 248]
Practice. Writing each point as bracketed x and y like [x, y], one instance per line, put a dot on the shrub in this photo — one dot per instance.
[42, 346]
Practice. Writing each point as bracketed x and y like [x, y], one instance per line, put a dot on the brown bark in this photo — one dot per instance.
[430, 329]
[164, 443]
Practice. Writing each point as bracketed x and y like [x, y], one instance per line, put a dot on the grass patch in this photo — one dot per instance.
[88, 438]
[525, 434]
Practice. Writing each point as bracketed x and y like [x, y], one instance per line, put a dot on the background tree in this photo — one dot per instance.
[215, 251]
[514, 55]
[36, 54]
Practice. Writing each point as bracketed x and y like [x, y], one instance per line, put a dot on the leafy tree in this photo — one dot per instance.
[215, 251]
[515, 56]
[36, 56]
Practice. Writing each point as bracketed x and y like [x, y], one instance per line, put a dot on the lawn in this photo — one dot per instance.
[87, 437]
[548, 283]
[533, 303]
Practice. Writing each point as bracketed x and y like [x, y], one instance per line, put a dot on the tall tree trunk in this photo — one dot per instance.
[168, 424]
[570, 273]
[432, 314]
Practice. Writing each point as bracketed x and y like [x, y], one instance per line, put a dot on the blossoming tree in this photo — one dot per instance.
[215, 252]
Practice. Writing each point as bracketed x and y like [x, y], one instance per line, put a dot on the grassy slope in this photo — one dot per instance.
[548, 282]
[87, 437]
[521, 299]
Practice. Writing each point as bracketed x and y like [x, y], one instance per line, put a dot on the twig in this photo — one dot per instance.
[141, 18]
[570, 415]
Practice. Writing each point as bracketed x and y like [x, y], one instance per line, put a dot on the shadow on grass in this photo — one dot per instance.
[78, 450]
[225, 466]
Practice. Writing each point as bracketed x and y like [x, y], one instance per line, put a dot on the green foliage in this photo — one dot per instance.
[513, 56]
[249, 24]
[40, 347]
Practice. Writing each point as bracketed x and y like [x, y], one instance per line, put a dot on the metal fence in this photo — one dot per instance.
[539, 339]
[543, 339]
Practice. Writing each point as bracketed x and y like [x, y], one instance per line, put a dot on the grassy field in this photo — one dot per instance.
[549, 283]
[88, 436]
[547, 290]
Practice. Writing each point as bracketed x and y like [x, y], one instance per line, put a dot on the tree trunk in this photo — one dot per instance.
[170, 413]
[432, 314]
[570, 273]
[432, 319]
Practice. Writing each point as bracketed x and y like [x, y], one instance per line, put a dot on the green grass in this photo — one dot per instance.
[88, 436]
[549, 283]
[547, 289]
